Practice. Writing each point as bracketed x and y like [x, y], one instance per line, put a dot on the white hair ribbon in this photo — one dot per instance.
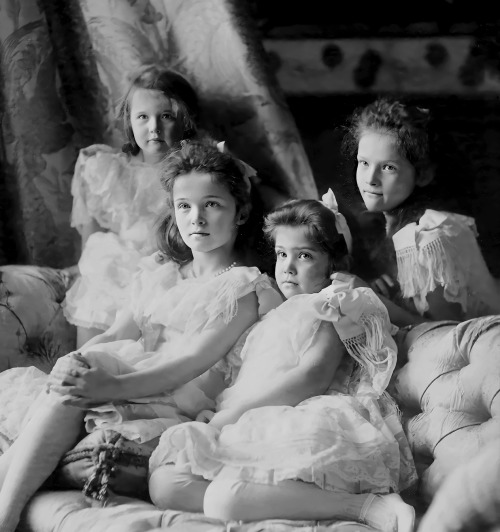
[329, 200]
[245, 168]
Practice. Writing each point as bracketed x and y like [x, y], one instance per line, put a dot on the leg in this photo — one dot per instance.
[230, 499]
[174, 490]
[51, 431]
[83, 335]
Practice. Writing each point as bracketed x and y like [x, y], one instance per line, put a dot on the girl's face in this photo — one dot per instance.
[384, 177]
[205, 213]
[301, 267]
[155, 123]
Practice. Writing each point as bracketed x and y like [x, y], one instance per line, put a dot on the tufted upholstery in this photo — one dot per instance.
[449, 391]
[446, 385]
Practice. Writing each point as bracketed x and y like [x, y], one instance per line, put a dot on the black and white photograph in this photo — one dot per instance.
[249, 266]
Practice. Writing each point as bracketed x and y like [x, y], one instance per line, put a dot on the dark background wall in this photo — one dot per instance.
[452, 66]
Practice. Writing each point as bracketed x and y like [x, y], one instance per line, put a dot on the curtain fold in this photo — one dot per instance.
[64, 66]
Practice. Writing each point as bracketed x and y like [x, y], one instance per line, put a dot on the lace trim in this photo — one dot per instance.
[369, 349]
[421, 271]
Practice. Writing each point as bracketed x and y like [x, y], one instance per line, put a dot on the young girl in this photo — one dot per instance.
[117, 195]
[304, 431]
[440, 268]
[187, 310]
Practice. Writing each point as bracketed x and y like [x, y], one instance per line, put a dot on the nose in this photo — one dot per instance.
[289, 266]
[372, 176]
[154, 125]
[197, 217]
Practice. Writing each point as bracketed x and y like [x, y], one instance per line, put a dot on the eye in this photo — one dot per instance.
[280, 254]
[182, 206]
[168, 116]
[362, 163]
[305, 256]
[212, 204]
[390, 168]
[141, 116]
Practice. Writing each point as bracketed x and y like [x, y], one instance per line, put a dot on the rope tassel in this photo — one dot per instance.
[104, 458]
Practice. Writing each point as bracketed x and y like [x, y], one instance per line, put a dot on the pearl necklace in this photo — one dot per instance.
[226, 269]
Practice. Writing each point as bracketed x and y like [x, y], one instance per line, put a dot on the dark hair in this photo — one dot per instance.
[205, 158]
[414, 130]
[174, 86]
[319, 222]
[410, 125]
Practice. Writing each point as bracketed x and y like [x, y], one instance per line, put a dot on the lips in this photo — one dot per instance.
[371, 193]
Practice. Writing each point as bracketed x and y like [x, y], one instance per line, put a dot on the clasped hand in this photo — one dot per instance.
[79, 384]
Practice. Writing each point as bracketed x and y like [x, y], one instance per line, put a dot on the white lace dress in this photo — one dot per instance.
[350, 439]
[169, 309]
[125, 197]
[441, 250]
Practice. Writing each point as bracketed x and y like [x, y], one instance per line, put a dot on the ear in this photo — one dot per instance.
[425, 177]
[242, 216]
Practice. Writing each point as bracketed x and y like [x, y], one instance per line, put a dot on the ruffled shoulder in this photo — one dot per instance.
[220, 300]
[436, 252]
[163, 295]
[362, 323]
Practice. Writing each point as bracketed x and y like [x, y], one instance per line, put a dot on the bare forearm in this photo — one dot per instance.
[196, 355]
[163, 378]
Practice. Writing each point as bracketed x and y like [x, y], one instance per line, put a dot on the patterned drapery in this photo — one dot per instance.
[64, 65]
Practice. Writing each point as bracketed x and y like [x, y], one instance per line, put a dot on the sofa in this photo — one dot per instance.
[454, 430]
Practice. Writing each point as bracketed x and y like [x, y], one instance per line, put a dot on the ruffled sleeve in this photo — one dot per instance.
[363, 325]
[436, 252]
[220, 303]
[88, 180]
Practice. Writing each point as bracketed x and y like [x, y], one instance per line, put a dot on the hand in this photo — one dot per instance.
[69, 365]
[384, 286]
[80, 384]
[205, 416]
[224, 417]
[353, 280]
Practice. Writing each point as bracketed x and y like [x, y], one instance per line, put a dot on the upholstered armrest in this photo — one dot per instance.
[33, 329]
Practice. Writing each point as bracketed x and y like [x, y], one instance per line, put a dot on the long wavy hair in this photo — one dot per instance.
[201, 157]
[174, 86]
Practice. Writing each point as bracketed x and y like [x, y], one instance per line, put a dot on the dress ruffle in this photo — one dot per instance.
[352, 443]
[442, 251]
[125, 197]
